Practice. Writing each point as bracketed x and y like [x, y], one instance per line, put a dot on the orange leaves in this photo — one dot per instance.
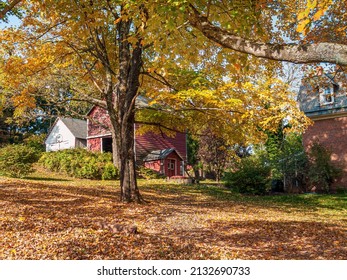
[45, 220]
[25, 99]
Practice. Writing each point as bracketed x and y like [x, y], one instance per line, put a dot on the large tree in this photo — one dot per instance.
[108, 52]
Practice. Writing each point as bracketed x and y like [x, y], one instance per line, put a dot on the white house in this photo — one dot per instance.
[66, 133]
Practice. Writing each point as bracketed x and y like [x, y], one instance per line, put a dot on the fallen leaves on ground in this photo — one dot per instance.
[52, 220]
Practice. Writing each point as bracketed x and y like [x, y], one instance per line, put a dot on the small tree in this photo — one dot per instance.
[214, 153]
[288, 160]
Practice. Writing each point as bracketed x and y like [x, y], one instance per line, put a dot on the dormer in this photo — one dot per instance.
[323, 95]
[327, 93]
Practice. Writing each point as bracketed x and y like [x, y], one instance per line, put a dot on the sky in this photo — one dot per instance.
[12, 21]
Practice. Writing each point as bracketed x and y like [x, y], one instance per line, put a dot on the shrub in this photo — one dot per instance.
[253, 176]
[148, 173]
[36, 141]
[110, 172]
[80, 163]
[17, 160]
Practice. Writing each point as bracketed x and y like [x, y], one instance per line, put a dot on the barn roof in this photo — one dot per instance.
[160, 154]
[77, 127]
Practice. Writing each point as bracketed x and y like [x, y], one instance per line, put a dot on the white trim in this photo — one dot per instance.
[174, 165]
[329, 116]
[99, 136]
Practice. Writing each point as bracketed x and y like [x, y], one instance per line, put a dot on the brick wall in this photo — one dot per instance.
[332, 133]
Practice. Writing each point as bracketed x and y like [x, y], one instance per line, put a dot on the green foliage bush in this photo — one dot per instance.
[17, 160]
[81, 163]
[36, 141]
[148, 173]
[253, 176]
[289, 162]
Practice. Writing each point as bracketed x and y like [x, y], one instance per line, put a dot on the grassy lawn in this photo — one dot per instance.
[47, 216]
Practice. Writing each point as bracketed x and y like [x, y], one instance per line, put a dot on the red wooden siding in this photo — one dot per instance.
[170, 171]
[149, 142]
[100, 116]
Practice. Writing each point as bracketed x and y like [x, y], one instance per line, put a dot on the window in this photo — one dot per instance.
[171, 164]
[326, 95]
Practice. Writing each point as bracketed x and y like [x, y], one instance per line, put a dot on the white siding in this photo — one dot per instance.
[60, 138]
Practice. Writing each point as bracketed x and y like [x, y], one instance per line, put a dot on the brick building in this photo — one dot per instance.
[324, 101]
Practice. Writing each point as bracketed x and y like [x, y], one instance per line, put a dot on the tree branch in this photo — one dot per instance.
[8, 8]
[309, 53]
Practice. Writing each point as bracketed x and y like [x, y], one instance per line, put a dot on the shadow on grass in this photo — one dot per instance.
[47, 179]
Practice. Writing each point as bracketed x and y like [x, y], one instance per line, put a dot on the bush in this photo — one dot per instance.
[322, 172]
[110, 172]
[17, 160]
[81, 163]
[36, 141]
[253, 176]
[148, 173]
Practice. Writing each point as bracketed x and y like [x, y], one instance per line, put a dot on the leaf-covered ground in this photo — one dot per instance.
[60, 219]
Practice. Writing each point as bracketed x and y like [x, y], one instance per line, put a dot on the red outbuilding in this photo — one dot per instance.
[167, 162]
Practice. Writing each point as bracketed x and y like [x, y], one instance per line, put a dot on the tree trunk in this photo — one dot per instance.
[128, 182]
[123, 120]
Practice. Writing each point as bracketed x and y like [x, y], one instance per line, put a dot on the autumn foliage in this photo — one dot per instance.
[56, 218]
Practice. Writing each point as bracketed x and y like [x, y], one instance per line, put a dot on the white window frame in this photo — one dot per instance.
[326, 95]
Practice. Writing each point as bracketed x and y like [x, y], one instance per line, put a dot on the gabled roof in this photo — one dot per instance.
[160, 154]
[77, 127]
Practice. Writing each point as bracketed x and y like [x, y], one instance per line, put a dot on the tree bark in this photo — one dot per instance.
[123, 118]
[297, 53]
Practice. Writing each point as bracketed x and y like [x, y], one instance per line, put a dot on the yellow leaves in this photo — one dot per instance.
[311, 4]
[318, 14]
[302, 26]
[23, 101]
[21, 219]
[313, 11]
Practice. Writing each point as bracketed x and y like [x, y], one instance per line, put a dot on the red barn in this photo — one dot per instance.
[146, 145]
